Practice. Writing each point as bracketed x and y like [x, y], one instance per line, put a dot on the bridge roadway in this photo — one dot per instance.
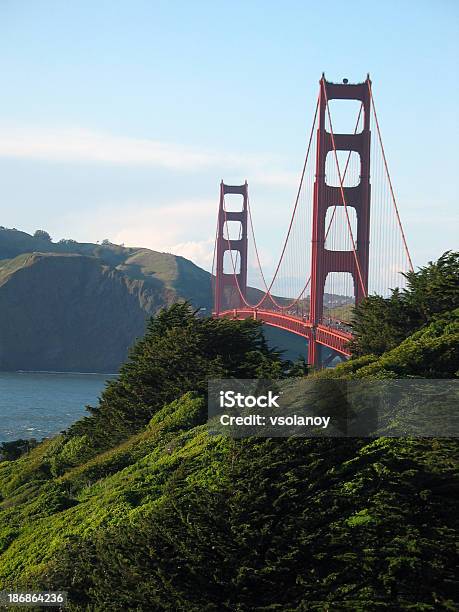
[326, 335]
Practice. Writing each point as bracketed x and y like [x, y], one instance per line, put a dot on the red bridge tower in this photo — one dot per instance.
[324, 261]
[234, 280]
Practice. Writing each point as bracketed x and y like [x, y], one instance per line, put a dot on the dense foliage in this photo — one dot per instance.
[14, 449]
[380, 324]
[42, 234]
[180, 352]
[137, 507]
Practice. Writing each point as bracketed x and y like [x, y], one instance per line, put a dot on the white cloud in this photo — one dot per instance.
[200, 252]
[182, 227]
[83, 145]
[174, 228]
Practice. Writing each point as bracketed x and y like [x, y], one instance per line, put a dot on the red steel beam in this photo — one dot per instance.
[334, 339]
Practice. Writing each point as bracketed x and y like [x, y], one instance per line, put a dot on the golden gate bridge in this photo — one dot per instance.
[344, 239]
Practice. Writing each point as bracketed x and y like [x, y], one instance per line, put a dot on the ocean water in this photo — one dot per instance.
[37, 404]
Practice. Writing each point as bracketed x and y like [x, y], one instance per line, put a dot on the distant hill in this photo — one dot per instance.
[79, 306]
[158, 270]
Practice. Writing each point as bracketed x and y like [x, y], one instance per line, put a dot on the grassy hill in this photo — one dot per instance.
[80, 306]
[171, 272]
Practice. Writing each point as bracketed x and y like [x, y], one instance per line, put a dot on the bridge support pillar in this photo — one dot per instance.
[230, 288]
[314, 351]
[324, 261]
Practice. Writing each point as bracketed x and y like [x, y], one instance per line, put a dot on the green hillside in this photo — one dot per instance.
[80, 306]
[137, 507]
[171, 272]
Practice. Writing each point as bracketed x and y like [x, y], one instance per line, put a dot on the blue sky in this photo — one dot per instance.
[119, 119]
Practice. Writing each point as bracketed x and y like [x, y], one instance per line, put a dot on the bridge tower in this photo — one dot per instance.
[237, 281]
[324, 261]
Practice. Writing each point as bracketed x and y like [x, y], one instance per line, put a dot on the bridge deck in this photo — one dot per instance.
[325, 335]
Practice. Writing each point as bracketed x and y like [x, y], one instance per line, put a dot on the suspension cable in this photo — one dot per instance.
[268, 289]
[388, 176]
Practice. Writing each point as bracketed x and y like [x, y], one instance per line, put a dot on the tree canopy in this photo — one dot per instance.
[43, 235]
[380, 324]
[180, 352]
